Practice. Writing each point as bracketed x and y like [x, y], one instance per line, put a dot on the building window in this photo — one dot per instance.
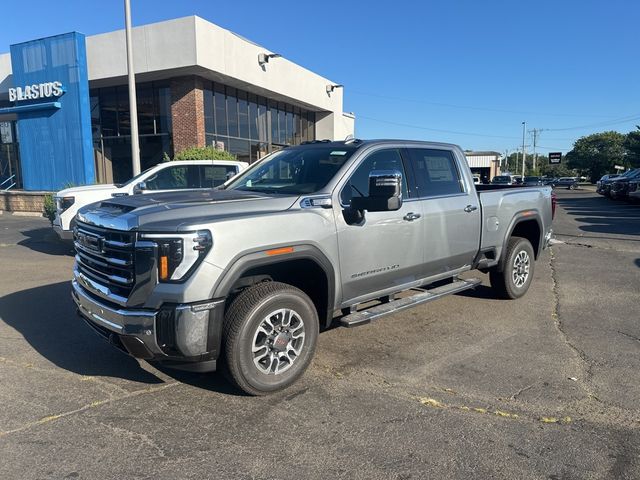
[111, 128]
[250, 126]
[10, 175]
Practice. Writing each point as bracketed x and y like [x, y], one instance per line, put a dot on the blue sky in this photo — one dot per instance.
[467, 72]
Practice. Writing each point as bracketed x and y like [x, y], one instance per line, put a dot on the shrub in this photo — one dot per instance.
[203, 153]
[49, 207]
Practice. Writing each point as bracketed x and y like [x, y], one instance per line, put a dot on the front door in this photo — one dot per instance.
[450, 211]
[384, 250]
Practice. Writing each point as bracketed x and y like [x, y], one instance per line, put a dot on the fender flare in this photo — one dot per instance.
[523, 216]
[252, 259]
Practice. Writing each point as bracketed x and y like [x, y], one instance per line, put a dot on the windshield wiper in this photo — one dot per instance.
[259, 190]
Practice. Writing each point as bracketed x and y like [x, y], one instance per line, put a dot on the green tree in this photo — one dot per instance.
[203, 153]
[632, 145]
[596, 154]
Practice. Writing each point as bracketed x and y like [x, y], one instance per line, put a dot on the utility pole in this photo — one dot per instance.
[524, 149]
[133, 106]
[536, 132]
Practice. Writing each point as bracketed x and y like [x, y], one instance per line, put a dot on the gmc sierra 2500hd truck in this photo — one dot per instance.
[244, 276]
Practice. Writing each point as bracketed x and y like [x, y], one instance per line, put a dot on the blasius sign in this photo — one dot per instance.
[36, 91]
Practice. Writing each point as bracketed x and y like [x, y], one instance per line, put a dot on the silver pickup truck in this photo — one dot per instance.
[245, 276]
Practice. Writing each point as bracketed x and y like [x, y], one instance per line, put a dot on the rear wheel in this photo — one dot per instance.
[515, 278]
[270, 334]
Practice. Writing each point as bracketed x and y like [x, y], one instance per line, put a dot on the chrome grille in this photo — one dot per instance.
[106, 257]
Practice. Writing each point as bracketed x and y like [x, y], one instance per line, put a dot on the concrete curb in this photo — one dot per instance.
[23, 214]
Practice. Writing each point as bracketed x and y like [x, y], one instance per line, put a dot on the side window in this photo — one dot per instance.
[215, 175]
[171, 178]
[358, 184]
[436, 172]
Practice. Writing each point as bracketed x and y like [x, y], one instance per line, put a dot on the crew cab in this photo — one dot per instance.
[245, 276]
[164, 177]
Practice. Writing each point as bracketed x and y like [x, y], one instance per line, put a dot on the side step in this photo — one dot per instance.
[367, 316]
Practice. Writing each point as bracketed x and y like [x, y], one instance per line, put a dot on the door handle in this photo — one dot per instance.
[410, 217]
[470, 208]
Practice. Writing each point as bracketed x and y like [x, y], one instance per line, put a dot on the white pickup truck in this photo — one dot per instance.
[164, 177]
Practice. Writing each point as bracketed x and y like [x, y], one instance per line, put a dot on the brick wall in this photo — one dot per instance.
[187, 112]
[21, 201]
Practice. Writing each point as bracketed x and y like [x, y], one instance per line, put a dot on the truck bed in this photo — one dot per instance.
[502, 204]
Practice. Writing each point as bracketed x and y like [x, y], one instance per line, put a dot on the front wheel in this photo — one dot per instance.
[270, 334]
[515, 278]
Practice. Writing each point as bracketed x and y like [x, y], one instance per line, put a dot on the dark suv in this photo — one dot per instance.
[619, 187]
[568, 182]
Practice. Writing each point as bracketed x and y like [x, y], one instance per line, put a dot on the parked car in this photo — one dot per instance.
[249, 273]
[164, 177]
[620, 186]
[633, 193]
[548, 180]
[502, 180]
[605, 185]
[568, 182]
[603, 179]
[533, 181]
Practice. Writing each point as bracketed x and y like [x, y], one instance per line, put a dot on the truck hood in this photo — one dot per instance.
[77, 191]
[176, 211]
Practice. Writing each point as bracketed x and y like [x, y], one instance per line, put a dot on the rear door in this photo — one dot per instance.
[215, 175]
[450, 210]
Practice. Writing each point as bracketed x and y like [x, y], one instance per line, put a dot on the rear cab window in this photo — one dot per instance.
[436, 172]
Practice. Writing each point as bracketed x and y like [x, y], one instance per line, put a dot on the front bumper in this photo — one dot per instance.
[176, 335]
[63, 234]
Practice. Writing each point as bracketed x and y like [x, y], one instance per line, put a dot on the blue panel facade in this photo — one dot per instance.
[55, 143]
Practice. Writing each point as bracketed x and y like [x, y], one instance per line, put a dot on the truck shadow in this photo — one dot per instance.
[45, 240]
[46, 317]
[212, 381]
[481, 291]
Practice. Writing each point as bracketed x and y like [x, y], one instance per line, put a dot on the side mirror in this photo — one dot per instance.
[139, 187]
[385, 192]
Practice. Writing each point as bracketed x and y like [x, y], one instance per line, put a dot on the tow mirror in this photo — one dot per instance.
[385, 192]
[139, 187]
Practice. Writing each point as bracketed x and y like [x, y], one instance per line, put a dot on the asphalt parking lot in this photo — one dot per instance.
[467, 387]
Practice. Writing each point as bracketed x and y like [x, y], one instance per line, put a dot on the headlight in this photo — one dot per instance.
[180, 253]
[63, 203]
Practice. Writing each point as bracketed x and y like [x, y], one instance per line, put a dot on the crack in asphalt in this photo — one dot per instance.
[633, 337]
[104, 386]
[140, 438]
[522, 390]
[97, 403]
[585, 364]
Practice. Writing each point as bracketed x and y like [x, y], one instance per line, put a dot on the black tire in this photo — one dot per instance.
[245, 315]
[503, 282]
[572, 187]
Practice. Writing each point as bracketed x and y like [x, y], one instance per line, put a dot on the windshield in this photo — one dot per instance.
[531, 179]
[297, 171]
[134, 179]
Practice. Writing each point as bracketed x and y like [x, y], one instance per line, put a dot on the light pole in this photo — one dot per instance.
[133, 107]
[524, 150]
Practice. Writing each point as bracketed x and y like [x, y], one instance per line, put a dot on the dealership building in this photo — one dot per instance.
[64, 103]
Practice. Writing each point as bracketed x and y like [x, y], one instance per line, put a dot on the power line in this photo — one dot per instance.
[471, 107]
[602, 124]
[420, 127]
